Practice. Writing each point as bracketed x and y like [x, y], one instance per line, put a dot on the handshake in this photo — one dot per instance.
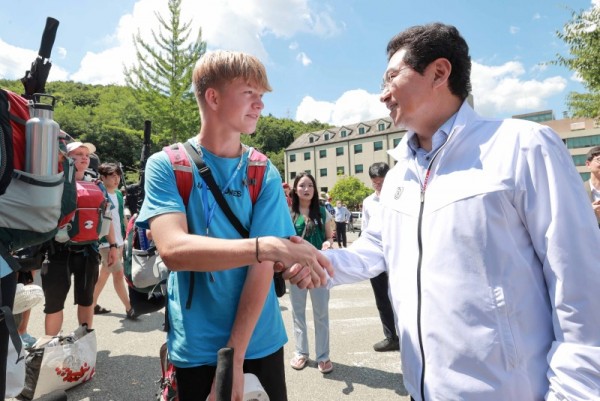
[301, 263]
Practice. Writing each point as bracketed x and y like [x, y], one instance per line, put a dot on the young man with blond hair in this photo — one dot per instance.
[232, 301]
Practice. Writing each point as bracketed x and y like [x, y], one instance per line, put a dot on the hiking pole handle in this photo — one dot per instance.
[224, 374]
[48, 37]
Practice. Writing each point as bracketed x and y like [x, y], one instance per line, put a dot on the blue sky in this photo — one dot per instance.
[324, 58]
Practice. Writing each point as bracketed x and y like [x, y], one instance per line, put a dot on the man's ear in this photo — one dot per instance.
[441, 71]
[211, 98]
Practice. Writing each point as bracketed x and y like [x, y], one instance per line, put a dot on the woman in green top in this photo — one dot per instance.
[313, 223]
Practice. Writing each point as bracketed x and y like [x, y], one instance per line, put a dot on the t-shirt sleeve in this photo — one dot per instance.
[161, 193]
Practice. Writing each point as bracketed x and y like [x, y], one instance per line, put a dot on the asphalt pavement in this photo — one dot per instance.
[128, 365]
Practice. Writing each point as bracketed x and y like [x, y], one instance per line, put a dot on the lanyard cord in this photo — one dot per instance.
[209, 210]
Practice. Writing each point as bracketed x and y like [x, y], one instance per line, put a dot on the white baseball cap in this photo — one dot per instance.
[74, 145]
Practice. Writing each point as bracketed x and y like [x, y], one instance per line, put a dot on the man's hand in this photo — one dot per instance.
[112, 256]
[308, 269]
[596, 207]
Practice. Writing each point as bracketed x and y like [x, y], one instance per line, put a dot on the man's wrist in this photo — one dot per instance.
[113, 246]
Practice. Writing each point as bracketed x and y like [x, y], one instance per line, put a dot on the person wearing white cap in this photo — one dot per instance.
[80, 260]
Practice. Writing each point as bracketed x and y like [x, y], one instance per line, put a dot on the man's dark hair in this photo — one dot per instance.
[134, 197]
[378, 170]
[106, 169]
[426, 43]
[592, 153]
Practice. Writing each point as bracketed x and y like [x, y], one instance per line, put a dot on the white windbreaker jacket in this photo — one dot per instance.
[494, 270]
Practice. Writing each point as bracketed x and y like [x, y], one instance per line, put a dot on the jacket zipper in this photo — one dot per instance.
[419, 263]
[420, 244]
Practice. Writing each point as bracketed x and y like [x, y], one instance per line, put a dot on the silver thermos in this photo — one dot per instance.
[41, 136]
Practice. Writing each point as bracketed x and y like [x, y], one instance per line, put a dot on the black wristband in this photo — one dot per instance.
[257, 259]
[112, 246]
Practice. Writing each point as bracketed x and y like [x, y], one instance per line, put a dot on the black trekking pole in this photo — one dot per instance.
[224, 374]
[35, 79]
[146, 147]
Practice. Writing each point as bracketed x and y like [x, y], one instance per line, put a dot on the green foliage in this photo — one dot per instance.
[351, 191]
[162, 79]
[582, 35]
[277, 158]
[14, 86]
[273, 135]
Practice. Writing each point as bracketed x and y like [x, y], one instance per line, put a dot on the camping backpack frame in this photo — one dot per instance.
[32, 205]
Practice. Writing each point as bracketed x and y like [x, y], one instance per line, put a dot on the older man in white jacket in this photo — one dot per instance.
[491, 246]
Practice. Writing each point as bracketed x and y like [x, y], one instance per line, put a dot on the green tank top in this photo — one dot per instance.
[311, 232]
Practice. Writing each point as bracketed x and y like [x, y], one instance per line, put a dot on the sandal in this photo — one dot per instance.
[98, 310]
[298, 362]
[325, 366]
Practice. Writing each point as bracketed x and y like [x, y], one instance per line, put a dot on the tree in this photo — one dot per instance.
[351, 191]
[582, 35]
[162, 79]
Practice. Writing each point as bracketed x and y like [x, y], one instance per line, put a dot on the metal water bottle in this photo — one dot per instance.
[41, 136]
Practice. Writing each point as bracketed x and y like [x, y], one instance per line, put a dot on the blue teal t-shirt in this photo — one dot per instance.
[196, 334]
[5, 269]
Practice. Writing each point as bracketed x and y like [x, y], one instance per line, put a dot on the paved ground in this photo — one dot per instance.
[128, 364]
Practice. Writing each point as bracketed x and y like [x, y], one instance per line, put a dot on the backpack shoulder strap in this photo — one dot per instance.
[257, 164]
[182, 169]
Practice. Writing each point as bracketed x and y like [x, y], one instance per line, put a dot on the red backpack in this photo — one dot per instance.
[31, 205]
[257, 164]
[85, 224]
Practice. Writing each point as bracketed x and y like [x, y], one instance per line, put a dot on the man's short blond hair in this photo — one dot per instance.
[219, 67]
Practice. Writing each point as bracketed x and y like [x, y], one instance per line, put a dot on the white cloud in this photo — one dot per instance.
[352, 107]
[14, 61]
[576, 77]
[61, 52]
[537, 16]
[228, 24]
[514, 29]
[499, 90]
[595, 3]
[293, 46]
[303, 58]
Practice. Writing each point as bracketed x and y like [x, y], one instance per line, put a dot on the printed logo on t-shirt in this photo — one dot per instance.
[234, 192]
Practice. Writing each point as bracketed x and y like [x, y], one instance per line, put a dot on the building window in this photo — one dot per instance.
[292, 158]
[323, 172]
[308, 172]
[381, 127]
[344, 134]
[306, 155]
[378, 145]
[326, 136]
[583, 142]
[292, 175]
[340, 171]
[579, 160]
[361, 130]
[311, 139]
[358, 169]
[322, 153]
[396, 141]
[358, 148]
[339, 151]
